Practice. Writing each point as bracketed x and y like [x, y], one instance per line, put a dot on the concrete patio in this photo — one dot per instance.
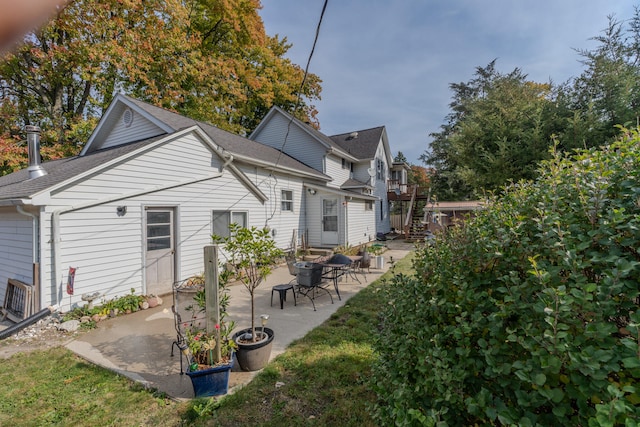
[138, 345]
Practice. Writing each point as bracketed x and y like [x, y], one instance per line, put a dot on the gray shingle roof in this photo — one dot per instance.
[353, 183]
[17, 185]
[235, 144]
[363, 146]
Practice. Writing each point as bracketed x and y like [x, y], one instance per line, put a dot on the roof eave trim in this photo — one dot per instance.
[340, 192]
[279, 168]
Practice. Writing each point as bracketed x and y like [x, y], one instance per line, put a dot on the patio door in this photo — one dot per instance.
[329, 222]
[159, 244]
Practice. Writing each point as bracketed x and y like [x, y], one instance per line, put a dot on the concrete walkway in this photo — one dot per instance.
[138, 345]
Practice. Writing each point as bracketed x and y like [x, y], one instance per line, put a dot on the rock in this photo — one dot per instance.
[144, 305]
[96, 318]
[85, 319]
[69, 325]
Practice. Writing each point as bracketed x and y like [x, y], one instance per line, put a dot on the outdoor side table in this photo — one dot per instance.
[282, 291]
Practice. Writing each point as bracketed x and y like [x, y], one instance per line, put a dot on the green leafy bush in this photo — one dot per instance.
[528, 314]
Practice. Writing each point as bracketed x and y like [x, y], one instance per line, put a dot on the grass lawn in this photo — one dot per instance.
[322, 379]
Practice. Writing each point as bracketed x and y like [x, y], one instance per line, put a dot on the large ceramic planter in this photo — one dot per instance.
[211, 382]
[254, 356]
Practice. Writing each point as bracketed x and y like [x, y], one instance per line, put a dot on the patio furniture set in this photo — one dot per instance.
[314, 278]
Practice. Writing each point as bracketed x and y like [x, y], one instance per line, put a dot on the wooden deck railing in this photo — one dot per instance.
[394, 184]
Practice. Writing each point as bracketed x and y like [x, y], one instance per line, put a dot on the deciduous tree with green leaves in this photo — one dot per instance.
[251, 254]
[207, 59]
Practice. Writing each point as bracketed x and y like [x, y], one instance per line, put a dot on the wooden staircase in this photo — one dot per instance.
[414, 228]
[417, 227]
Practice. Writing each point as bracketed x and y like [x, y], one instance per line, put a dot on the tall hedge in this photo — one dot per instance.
[528, 314]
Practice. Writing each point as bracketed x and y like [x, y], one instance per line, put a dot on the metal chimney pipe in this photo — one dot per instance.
[33, 141]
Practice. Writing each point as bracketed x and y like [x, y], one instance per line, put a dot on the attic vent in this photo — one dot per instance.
[127, 117]
[353, 135]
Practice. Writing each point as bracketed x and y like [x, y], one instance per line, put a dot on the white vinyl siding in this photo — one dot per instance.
[383, 221]
[361, 223]
[140, 129]
[355, 225]
[300, 145]
[335, 170]
[173, 162]
[107, 248]
[16, 250]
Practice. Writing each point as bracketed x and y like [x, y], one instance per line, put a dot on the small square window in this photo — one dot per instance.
[368, 205]
[287, 200]
[222, 219]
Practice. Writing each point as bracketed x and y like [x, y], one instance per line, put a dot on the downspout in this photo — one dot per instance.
[35, 254]
[55, 216]
[35, 238]
[346, 221]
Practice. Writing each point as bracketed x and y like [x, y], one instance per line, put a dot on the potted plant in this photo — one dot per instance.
[251, 254]
[210, 354]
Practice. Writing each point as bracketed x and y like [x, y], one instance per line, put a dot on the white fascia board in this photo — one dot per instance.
[339, 192]
[387, 149]
[269, 166]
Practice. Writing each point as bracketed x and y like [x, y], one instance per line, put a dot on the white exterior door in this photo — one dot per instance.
[159, 250]
[330, 222]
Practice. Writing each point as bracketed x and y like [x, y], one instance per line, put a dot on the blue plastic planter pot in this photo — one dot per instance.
[211, 382]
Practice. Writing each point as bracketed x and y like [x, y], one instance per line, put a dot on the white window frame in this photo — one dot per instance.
[368, 205]
[286, 203]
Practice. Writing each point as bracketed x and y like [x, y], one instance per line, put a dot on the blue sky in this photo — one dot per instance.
[390, 62]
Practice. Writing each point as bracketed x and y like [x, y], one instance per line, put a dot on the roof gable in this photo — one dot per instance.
[160, 124]
[124, 122]
[241, 148]
[314, 135]
[65, 172]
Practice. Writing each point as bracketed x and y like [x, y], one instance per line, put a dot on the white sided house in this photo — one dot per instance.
[339, 211]
[133, 211]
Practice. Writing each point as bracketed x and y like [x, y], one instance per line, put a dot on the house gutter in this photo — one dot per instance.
[280, 168]
[55, 216]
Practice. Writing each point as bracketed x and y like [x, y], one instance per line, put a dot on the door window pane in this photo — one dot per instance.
[158, 230]
[330, 215]
[155, 217]
[158, 243]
